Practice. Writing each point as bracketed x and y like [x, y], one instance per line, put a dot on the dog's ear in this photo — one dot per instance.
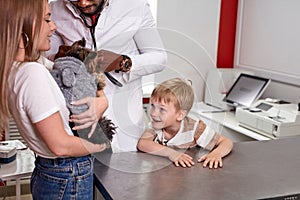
[78, 51]
[62, 51]
[82, 42]
[78, 45]
[74, 49]
[83, 52]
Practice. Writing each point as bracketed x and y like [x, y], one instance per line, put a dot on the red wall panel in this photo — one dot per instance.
[227, 30]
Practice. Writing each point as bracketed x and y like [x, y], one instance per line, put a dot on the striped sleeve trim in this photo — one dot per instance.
[213, 141]
[206, 137]
[199, 130]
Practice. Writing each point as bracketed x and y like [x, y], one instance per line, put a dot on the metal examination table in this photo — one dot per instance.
[254, 170]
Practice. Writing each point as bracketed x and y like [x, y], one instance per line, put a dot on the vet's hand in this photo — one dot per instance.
[212, 160]
[90, 118]
[109, 61]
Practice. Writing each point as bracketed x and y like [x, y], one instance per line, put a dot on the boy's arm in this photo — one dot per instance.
[214, 158]
[146, 144]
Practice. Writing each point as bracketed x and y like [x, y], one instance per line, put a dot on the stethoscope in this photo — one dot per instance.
[92, 31]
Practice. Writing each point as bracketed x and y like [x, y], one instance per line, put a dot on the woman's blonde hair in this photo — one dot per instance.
[19, 18]
[175, 90]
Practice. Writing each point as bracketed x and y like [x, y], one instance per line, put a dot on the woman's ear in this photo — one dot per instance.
[181, 115]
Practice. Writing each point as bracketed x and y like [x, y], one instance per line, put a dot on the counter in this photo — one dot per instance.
[253, 170]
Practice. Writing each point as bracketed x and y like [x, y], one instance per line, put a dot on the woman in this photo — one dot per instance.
[64, 167]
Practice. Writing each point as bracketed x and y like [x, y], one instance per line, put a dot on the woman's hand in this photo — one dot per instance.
[90, 117]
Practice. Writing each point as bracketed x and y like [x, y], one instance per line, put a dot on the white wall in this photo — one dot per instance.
[268, 43]
[189, 30]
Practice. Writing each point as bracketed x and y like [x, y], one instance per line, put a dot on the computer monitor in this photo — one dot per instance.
[245, 90]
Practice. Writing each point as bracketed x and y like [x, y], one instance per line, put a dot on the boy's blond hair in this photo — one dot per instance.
[175, 90]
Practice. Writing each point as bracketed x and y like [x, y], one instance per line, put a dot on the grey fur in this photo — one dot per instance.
[76, 83]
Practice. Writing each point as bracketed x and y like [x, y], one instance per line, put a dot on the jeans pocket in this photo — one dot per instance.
[85, 167]
[45, 186]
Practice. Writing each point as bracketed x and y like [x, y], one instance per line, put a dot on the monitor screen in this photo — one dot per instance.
[245, 90]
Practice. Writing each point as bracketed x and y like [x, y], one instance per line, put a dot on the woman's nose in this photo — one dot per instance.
[53, 26]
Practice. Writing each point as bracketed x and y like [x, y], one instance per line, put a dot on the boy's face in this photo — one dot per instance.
[163, 114]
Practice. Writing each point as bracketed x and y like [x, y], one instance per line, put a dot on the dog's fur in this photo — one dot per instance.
[75, 72]
[87, 56]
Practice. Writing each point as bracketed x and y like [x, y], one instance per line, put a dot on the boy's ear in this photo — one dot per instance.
[181, 115]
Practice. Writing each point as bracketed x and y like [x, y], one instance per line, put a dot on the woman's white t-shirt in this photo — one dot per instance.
[34, 96]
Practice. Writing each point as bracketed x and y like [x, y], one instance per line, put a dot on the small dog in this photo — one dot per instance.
[87, 56]
[75, 71]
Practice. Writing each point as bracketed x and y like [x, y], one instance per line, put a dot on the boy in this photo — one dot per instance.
[171, 127]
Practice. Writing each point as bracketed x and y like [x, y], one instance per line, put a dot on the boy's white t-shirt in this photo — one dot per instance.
[34, 96]
[192, 132]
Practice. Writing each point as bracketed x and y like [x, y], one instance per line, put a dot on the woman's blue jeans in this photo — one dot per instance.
[63, 178]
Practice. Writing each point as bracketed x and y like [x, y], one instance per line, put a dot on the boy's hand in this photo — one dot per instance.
[212, 160]
[181, 159]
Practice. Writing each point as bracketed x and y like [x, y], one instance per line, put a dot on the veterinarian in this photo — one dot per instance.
[63, 166]
[125, 35]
